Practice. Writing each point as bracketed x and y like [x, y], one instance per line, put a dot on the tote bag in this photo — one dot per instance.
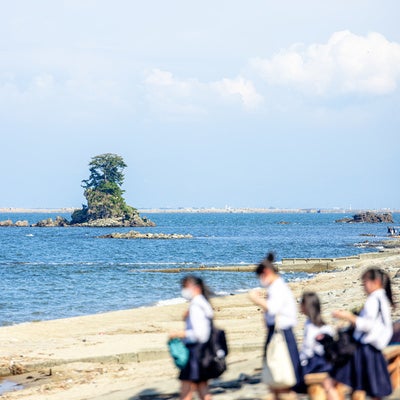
[179, 352]
[278, 371]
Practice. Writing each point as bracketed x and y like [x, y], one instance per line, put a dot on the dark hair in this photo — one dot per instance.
[196, 280]
[312, 308]
[267, 263]
[373, 274]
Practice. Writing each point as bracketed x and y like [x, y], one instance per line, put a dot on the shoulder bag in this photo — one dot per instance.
[278, 371]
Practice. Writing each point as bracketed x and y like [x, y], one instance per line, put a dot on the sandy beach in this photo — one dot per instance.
[123, 354]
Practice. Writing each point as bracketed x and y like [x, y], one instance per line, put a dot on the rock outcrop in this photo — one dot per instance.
[8, 222]
[136, 221]
[50, 223]
[105, 210]
[23, 223]
[368, 217]
[138, 235]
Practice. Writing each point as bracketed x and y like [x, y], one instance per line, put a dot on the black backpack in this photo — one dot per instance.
[213, 354]
[340, 349]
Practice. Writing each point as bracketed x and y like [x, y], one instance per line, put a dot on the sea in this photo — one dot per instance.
[51, 273]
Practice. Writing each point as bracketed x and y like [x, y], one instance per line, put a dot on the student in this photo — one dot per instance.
[312, 352]
[197, 332]
[367, 369]
[279, 303]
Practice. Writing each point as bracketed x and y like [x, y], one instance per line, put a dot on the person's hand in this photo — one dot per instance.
[176, 335]
[258, 297]
[345, 315]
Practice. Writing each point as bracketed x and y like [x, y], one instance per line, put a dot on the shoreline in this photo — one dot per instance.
[206, 210]
[123, 354]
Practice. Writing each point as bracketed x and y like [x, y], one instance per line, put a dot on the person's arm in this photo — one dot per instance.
[345, 316]
[362, 323]
[258, 298]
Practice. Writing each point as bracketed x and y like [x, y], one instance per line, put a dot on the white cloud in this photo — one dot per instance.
[346, 64]
[242, 88]
[169, 92]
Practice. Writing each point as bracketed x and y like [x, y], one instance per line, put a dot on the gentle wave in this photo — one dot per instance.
[169, 302]
[72, 272]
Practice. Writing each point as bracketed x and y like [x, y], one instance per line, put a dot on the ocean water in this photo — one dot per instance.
[49, 273]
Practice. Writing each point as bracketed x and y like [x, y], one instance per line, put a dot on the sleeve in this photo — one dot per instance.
[198, 330]
[307, 345]
[366, 321]
[277, 299]
[307, 348]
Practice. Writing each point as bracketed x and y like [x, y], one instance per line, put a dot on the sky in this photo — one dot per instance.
[289, 104]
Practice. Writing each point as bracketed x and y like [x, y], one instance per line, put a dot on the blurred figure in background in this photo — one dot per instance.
[197, 332]
[312, 352]
[279, 305]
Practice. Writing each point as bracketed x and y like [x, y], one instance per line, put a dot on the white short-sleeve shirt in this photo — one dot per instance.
[198, 321]
[281, 303]
[374, 324]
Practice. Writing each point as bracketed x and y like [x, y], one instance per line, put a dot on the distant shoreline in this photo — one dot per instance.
[211, 210]
[17, 210]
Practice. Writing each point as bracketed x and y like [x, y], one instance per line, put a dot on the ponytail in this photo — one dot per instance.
[372, 274]
[267, 263]
[312, 308]
[386, 284]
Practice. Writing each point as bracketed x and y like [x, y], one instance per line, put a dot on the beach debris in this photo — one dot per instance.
[16, 369]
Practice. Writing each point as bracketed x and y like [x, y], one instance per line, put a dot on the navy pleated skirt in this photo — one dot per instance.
[193, 371]
[294, 355]
[316, 364]
[366, 370]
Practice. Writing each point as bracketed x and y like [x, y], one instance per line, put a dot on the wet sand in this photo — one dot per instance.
[123, 354]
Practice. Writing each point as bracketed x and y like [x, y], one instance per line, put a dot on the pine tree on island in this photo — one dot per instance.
[105, 203]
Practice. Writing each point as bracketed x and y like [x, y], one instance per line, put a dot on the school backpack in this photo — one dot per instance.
[213, 354]
[340, 349]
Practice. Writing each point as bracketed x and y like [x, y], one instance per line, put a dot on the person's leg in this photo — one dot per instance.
[186, 390]
[358, 395]
[330, 388]
[202, 389]
[285, 394]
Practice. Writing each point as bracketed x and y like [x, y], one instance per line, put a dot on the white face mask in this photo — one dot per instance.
[187, 294]
[264, 283]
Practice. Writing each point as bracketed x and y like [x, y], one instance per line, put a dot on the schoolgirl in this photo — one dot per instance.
[279, 303]
[312, 352]
[367, 369]
[197, 332]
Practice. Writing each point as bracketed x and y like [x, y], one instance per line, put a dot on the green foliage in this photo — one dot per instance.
[104, 194]
[106, 173]
[79, 216]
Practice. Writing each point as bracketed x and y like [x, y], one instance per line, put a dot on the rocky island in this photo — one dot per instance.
[105, 206]
[368, 217]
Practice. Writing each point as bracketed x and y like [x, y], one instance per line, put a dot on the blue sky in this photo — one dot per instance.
[212, 103]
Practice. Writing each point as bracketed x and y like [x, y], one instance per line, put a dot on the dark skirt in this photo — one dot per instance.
[316, 364]
[366, 370]
[294, 355]
[193, 371]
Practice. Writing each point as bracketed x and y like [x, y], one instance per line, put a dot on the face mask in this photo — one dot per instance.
[187, 294]
[264, 283]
